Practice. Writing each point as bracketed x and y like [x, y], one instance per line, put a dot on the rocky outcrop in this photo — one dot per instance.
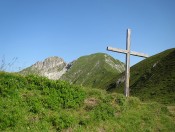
[52, 67]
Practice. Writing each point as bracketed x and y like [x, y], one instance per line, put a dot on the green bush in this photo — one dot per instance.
[62, 121]
[34, 104]
[10, 116]
[58, 93]
[103, 112]
[133, 102]
[122, 101]
[71, 97]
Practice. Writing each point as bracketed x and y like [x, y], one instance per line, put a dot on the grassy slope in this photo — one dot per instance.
[29, 70]
[92, 71]
[34, 103]
[153, 78]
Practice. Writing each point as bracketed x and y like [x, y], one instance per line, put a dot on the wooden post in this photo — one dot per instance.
[127, 70]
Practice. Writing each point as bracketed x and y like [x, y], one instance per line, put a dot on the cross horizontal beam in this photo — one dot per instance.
[126, 51]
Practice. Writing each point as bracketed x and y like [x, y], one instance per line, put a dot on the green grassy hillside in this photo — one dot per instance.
[152, 79]
[33, 103]
[93, 70]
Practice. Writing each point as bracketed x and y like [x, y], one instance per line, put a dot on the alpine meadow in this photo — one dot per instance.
[34, 103]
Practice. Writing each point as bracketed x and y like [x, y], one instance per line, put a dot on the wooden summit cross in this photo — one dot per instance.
[128, 53]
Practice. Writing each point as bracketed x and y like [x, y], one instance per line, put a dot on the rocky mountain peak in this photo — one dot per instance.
[52, 67]
[49, 63]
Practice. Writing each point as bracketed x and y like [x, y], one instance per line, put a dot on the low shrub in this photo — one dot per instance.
[103, 112]
[62, 121]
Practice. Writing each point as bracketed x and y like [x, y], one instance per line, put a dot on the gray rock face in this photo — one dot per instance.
[52, 67]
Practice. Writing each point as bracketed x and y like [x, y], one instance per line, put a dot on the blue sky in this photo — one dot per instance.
[33, 30]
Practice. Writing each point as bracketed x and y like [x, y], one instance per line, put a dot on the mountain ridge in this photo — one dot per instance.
[91, 68]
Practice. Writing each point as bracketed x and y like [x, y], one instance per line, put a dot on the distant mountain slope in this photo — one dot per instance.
[151, 79]
[93, 70]
[52, 67]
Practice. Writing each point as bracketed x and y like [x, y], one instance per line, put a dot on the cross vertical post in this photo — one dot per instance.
[127, 70]
[128, 53]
